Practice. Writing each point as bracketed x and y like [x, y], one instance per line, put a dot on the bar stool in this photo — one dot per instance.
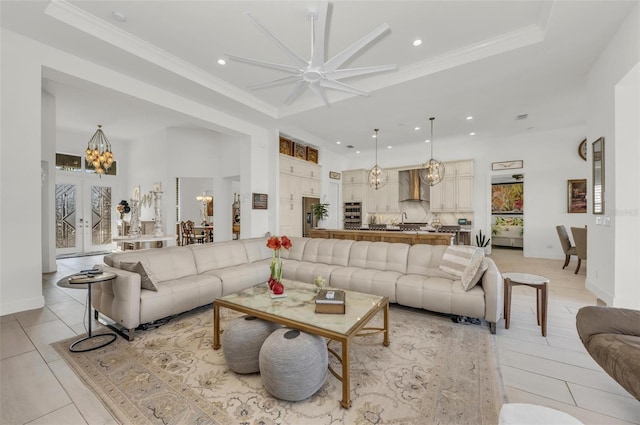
[540, 283]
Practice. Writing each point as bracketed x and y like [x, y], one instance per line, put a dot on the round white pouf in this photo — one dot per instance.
[293, 364]
[241, 342]
[531, 414]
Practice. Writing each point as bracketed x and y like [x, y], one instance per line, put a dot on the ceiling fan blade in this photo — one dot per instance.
[336, 85]
[354, 72]
[285, 68]
[335, 62]
[287, 51]
[297, 89]
[279, 82]
[320, 92]
[318, 28]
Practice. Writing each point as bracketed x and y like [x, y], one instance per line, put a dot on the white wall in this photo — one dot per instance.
[20, 162]
[618, 58]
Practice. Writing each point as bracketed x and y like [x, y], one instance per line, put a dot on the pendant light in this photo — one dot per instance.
[432, 171]
[98, 153]
[378, 176]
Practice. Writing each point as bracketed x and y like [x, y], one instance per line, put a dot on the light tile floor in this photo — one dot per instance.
[37, 386]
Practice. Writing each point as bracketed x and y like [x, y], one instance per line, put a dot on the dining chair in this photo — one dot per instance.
[565, 242]
[580, 239]
[188, 234]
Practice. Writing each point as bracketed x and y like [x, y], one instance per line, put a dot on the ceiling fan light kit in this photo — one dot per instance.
[432, 171]
[317, 74]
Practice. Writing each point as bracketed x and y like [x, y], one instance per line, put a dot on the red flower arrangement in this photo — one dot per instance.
[276, 244]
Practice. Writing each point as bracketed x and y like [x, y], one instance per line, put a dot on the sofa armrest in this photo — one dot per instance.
[119, 299]
[493, 287]
[593, 320]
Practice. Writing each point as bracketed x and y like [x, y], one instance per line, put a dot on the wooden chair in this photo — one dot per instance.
[188, 234]
[565, 242]
[580, 239]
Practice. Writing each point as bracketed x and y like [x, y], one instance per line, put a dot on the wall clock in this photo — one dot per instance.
[582, 149]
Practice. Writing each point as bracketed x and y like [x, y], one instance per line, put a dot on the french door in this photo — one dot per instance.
[83, 216]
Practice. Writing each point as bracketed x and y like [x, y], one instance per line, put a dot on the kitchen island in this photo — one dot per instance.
[408, 237]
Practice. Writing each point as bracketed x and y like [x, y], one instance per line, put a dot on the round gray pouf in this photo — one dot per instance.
[293, 364]
[241, 342]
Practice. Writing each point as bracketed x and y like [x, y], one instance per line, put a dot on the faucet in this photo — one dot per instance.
[404, 215]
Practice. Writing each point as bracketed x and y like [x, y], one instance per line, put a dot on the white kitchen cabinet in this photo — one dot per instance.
[298, 178]
[291, 219]
[385, 199]
[354, 187]
[455, 192]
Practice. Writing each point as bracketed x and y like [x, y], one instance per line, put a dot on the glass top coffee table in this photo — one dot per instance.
[297, 311]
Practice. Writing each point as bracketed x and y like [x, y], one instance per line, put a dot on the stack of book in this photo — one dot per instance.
[331, 301]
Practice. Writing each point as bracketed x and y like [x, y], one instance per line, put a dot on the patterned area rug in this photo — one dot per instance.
[434, 371]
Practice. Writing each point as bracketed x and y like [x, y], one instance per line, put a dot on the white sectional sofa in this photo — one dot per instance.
[191, 276]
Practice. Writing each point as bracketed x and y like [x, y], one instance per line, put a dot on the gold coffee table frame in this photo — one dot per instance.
[297, 311]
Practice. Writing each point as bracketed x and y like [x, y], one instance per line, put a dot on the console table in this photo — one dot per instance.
[143, 241]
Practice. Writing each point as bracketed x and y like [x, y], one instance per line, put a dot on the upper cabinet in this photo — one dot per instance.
[298, 179]
[354, 185]
[455, 192]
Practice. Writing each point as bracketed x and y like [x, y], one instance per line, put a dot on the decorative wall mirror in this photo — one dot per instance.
[598, 175]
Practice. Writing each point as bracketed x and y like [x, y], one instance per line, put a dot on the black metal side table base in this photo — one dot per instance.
[111, 337]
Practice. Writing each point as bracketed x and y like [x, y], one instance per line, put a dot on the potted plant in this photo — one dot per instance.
[483, 242]
[320, 211]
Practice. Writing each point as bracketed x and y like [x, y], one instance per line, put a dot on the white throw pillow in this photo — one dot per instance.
[482, 266]
[147, 280]
[464, 262]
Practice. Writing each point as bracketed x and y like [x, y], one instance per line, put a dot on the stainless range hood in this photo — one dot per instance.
[411, 187]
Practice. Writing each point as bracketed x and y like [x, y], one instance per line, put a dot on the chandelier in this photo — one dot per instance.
[432, 171]
[98, 152]
[378, 176]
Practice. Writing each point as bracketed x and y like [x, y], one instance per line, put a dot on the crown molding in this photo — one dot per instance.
[77, 18]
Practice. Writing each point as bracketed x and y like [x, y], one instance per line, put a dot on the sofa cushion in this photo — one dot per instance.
[165, 264]
[147, 280]
[441, 295]
[424, 259]
[257, 249]
[327, 251]
[296, 250]
[237, 278]
[305, 271]
[179, 295]
[369, 281]
[219, 255]
[379, 256]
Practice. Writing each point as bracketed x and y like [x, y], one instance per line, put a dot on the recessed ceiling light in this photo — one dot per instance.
[427, 141]
[338, 142]
[373, 136]
[119, 16]
[417, 42]
[357, 151]
[469, 117]
[417, 128]
[222, 62]
[472, 134]
[389, 147]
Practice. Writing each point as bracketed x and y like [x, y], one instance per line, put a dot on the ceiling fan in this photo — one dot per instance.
[317, 74]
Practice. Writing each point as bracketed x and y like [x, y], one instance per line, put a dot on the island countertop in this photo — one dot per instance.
[408, 237]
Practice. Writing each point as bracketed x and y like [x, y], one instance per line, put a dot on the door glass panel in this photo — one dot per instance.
[65, 215]
[100, 215]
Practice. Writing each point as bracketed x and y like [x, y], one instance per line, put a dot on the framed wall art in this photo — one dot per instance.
[299, 151]
[286, 146]
[577, 196]
[507, 165]
[260, 201]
